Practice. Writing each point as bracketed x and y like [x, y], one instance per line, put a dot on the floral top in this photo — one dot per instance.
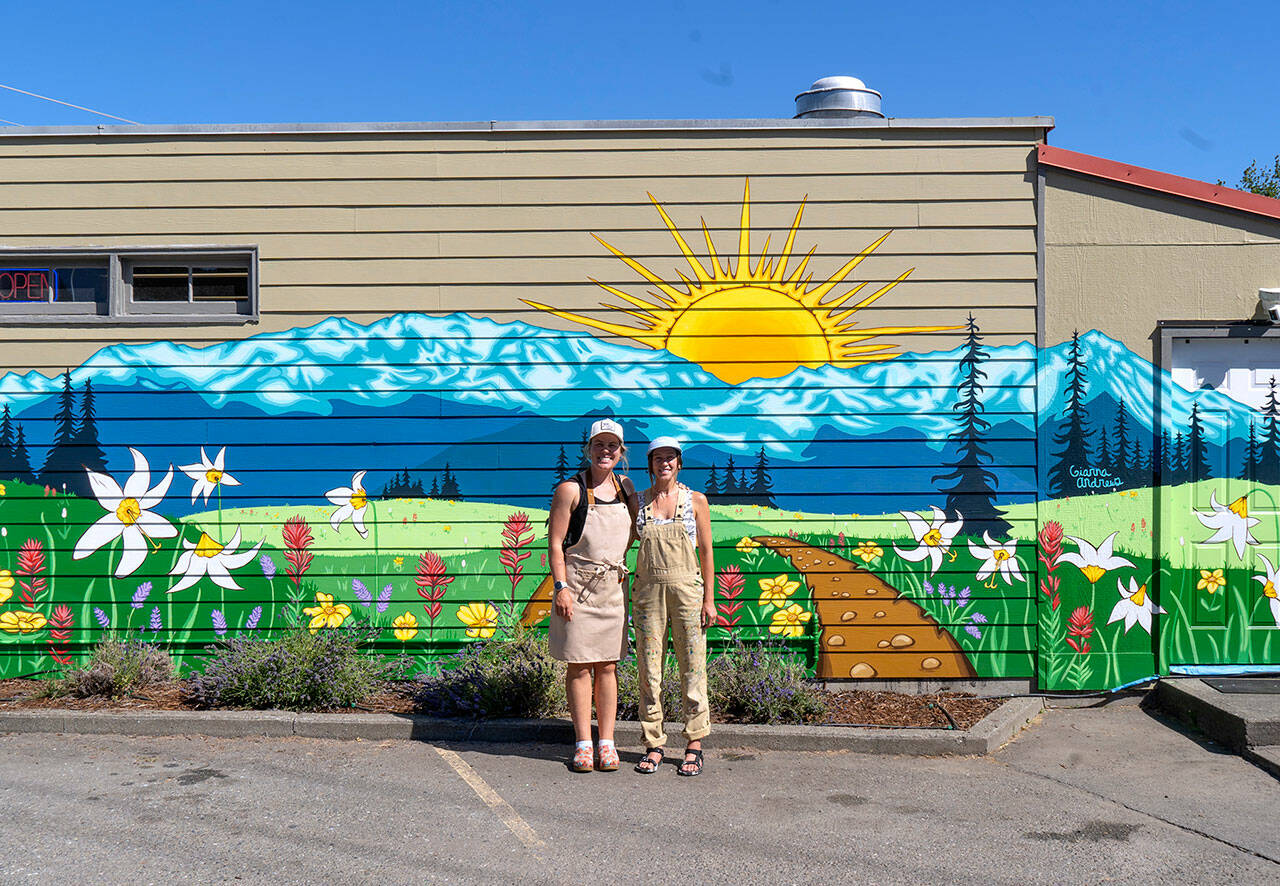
[684, 513]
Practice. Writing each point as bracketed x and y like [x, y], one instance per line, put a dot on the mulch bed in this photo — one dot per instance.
[849, 708]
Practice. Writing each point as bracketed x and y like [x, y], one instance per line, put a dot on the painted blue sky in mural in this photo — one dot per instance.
[419, 392]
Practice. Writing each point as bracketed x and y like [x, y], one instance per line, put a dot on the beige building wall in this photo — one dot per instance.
[1119, 259]
[361, 224]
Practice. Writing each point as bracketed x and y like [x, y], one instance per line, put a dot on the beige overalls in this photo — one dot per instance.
[669, 583]
[595, 568]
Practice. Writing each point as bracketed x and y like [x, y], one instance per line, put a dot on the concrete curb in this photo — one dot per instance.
[988, 734]
[1238, 723]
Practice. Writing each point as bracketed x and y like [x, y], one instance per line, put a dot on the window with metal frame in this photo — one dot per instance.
[125, 285]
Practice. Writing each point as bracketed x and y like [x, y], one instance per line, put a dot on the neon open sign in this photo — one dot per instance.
[28, 284]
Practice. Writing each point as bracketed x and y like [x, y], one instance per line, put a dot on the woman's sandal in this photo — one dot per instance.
[695, 763]
[648, 765]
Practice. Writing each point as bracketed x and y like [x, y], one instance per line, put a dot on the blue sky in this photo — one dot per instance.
[1188, 88]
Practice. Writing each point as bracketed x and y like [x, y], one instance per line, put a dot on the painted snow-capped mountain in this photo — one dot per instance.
[417, 391]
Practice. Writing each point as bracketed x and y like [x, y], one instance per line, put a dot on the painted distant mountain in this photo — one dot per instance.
[301, 410]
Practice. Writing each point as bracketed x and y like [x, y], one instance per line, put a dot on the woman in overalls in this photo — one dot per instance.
[675, 574]
[588, 535]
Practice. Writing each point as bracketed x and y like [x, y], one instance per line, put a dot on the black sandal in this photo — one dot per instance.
[648, 760]
[696, 763]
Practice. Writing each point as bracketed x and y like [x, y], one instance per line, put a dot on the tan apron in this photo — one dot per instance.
[669, 586]
[595, 569]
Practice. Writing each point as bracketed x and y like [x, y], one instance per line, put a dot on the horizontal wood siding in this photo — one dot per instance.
[364, 226]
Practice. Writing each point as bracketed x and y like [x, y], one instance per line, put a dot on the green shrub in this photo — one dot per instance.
[629, 689]
[298, 671]
[116, 668]
[763, 683]
[511, 675]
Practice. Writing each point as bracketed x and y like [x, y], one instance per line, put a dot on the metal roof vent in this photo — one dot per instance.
[838, 97]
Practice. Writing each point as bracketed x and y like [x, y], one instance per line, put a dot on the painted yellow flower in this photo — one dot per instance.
[481, 619]
[3, 491]
[775, 591]
[6, 585]
[326, 613]
[398, 561]
[747, 545]
[406, 627]
[790, 622]
[1211, 581]
[21, 621]
[868, 551]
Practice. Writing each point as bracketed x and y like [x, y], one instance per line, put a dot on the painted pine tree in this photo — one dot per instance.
[729, 490]
[1252, 449]
[973, 491]
[562, 466]
[762, 483]
[8, 439]
[712, 487]
[1120, 463]
[1269, 456]
[88, 450]
[62, 466]
[22, 459]
[1074, 437]
[1105, 458]
[1178, 460]
[449, 485]
[1197, 461]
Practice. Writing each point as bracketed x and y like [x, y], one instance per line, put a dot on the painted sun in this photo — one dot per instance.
[741, 321]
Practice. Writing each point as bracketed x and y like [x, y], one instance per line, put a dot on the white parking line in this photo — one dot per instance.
[501, 807]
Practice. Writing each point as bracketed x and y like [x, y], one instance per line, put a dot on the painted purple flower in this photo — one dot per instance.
[357, 586]
[156, 624]
[254, 617]
[140, 595]
[384, 599]
[219, 622]
[928, 587]
[268, 566]
[973, 632]
[979, 618]
[104, 620]
[963, 598]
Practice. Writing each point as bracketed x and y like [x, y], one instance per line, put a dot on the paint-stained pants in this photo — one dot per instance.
[651, 604]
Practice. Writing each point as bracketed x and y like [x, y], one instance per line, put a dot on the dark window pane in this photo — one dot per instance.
[220, 284]
[81, 285]
[159, 284]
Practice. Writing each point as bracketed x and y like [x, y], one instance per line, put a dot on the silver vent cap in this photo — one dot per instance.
[838, 97]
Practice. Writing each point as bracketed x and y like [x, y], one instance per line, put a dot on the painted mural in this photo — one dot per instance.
[888, 509]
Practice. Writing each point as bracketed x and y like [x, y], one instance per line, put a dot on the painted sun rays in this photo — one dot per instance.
[742, 320]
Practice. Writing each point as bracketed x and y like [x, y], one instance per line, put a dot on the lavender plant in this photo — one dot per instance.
[298, 671]
[117, 668]
[762, 683]
[512, 675]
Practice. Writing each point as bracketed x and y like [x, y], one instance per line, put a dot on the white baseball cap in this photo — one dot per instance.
[605, 426]
[665, 443]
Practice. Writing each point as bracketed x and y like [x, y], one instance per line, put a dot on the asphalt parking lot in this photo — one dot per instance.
[1085, 795]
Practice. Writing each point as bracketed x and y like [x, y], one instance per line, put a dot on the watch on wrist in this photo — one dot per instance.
[560, 586]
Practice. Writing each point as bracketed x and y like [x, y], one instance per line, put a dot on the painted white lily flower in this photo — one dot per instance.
[128, 515]
[1094, 562]
[351, 502]
[208, 475]
[934, 536]
[1135, 607]
[998, 559]
[1269, 582]
[207, 557]
[1231, 523]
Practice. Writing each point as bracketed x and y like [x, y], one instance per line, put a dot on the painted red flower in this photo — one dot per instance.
[30, 565]
[1080, 624]
[297, 540]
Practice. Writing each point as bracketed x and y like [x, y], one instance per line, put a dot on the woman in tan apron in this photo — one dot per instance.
[675, 573]
[588, 535]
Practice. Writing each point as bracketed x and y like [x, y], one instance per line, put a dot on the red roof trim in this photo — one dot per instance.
[1163, 182]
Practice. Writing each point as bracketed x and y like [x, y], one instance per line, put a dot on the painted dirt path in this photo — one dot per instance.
[868, 629]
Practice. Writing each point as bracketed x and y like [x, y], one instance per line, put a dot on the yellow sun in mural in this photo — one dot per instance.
[740, 321]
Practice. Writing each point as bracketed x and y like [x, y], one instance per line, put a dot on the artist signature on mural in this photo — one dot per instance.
[1094, 478]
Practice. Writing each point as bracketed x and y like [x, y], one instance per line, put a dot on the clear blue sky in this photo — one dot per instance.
[1186, 87]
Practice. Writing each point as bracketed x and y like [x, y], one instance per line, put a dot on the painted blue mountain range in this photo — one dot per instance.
[301, 410]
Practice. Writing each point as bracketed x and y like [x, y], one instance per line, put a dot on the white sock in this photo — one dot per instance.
[605, 743]
[583, 744]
